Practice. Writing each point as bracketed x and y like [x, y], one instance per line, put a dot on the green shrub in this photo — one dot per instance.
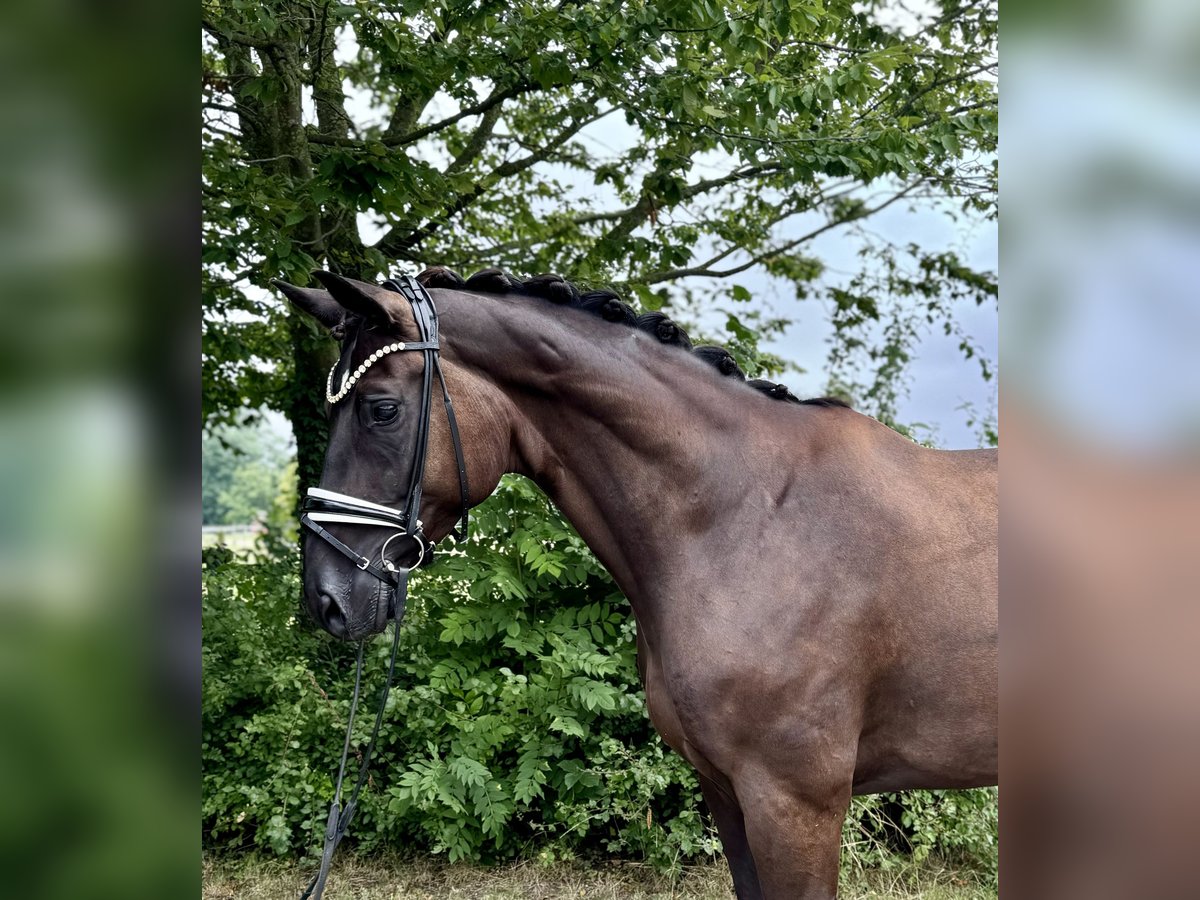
[517, 721]
[517, 725]
[889, 830]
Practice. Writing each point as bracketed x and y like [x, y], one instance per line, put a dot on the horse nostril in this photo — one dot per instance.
[331, 616]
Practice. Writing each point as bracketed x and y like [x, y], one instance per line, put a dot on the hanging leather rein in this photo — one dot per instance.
[326, 506]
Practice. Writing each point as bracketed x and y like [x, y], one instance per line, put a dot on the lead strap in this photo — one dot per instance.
[340, 817]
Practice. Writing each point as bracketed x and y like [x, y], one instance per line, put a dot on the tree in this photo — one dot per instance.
[244, 471]
[365, 136]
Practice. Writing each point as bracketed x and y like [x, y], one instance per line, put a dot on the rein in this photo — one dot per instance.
[321, 505]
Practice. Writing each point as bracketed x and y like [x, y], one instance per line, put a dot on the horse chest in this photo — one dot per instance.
[663, 715]
[666, 720]
[658, 699]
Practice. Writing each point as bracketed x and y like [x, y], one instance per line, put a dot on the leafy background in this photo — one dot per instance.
[517, 726]
[676, 150]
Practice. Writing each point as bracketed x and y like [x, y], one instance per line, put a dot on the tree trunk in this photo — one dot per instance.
[312, 355]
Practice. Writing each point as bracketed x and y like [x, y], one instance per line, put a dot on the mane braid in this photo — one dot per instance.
[664, 329]
[554, 288]
[441, 277]
[773, 390]
[609, 306]
[828, 401]
[721, 360]
[494, 281]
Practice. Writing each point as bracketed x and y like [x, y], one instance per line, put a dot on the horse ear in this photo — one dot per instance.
[317, 303]
[360, 297]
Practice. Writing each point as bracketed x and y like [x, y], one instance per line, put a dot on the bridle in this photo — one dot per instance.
[325, 506]
[322, 505]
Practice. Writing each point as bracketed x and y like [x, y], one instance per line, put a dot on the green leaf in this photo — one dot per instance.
[295, 217]
[648, 299]
[691, 100]
[740, 331]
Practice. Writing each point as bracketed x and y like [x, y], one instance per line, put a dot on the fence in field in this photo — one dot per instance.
[230, 535]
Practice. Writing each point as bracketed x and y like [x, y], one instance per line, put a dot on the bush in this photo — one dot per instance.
[517, 720]
[517, 725]
[885, 831]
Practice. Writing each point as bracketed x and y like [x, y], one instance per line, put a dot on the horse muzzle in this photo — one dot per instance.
[352, 605]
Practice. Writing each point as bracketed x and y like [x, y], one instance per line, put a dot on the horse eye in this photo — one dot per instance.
[384, 413]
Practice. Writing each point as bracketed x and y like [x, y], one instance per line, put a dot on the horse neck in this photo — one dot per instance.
[643, 447]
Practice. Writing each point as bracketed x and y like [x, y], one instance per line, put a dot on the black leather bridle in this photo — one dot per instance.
[321, 505]
[325, 506]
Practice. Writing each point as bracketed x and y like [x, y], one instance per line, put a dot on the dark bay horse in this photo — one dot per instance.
[815, 594]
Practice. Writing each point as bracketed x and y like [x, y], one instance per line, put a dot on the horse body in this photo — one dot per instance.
[815, 594]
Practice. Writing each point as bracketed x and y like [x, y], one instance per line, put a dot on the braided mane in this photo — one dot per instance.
[609, 306]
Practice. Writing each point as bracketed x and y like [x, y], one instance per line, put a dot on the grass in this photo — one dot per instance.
[396, 879]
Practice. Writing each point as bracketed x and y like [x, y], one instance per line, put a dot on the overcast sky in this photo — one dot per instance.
[942, 380]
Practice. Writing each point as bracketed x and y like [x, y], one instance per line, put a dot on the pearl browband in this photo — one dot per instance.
[348, 380]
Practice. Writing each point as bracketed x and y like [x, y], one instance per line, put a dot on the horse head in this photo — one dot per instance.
[394, 480]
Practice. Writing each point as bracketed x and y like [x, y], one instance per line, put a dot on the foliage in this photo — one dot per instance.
[517, 726]
[246, 476]
[515, 720]
[888, 831]
[661, 146]
[906, 290]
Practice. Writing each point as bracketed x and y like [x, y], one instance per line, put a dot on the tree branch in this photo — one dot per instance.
[813, 139]
[958, 110]
[733, 248]
[408, 110]
[237, 37]
[482, 106]
[574, 221]
[932, 86]
[703, 187]
[704, 270]
[232, 135]
[398, 244]
[628, 220]
[494, 99]
[477, 142]
[328, 96]
[720, 24]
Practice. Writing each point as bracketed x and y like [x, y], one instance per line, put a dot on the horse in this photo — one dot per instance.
[815, 594]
